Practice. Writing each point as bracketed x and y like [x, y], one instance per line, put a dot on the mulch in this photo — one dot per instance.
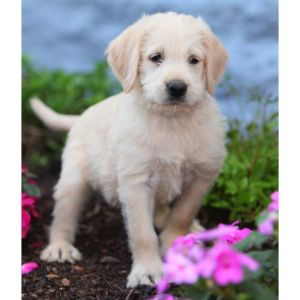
[102, 272]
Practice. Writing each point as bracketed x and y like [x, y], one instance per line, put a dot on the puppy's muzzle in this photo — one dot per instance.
[176, 88]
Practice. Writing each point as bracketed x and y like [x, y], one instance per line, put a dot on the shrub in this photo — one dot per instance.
[69, 93]
[250, 171]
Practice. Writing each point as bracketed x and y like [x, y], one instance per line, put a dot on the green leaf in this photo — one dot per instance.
[31, 175]
[267, 258]
[257, 291]
[261, 218]
[254, 239]
[32, 190]
[195, 293]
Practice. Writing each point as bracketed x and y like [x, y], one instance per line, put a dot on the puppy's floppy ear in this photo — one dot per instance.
[215, 60]
[123, 55]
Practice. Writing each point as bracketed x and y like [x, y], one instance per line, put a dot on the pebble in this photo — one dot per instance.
[65, 282]
[109, 260]
[78, 268]
[51, 276]
[34, 296]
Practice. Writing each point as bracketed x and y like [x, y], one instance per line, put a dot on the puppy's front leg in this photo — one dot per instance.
[183, 212]
[138, 203]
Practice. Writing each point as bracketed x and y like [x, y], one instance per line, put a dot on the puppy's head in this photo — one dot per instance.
[171, 59]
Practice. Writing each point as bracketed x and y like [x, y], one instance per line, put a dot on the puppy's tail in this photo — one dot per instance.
[50, 118]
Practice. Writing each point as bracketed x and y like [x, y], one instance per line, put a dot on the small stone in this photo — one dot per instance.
[51, 276]
[78, 268]
[65, 282]
[109, 260]
[34, 296]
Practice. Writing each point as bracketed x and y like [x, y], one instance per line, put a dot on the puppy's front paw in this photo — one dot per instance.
[144, 274]
[61, 252]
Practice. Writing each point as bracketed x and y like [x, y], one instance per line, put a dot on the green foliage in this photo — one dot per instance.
[69, 93]
[29, 186]
[197, 293]
[250, 172]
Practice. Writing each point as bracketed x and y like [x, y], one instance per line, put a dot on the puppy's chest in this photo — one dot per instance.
[170, 178]
[176, 160]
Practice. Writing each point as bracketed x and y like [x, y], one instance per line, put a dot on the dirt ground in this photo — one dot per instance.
[102, 240]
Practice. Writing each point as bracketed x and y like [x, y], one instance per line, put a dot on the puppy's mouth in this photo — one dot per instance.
[176, 100]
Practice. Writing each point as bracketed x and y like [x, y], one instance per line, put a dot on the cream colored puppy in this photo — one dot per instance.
[156, 148]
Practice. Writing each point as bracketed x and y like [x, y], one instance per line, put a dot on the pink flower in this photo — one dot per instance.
[236, 235]
[32, 181]
[188, 259]
[28, 267]
[231, 233]
[181, 263]
[274, 206]
[25, 223]
[267, 226]
[216, 233]
[28, 209]
[180, 268]
[230, 263]
[24, 169]
[29, 203]
[162, 285]
[186, 241]
[206, 266]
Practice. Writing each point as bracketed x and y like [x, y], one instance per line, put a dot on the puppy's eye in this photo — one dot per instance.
[193, 60]
[156, 58]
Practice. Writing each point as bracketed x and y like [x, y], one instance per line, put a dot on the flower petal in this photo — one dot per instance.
[266, 227]
[225, 276]
[248, 262]
[162, 285]
[28, 267]
[216, 233]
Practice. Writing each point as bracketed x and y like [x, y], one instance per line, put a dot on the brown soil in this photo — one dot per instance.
[102, 240]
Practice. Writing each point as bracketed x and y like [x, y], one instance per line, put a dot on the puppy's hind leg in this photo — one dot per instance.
[70, 194]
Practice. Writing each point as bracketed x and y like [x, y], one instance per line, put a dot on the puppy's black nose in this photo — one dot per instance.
[176, 87]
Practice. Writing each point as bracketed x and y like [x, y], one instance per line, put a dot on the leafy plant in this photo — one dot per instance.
[69, 93]
[250, 171]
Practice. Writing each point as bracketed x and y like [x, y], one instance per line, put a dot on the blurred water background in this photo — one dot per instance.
[73, 34]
